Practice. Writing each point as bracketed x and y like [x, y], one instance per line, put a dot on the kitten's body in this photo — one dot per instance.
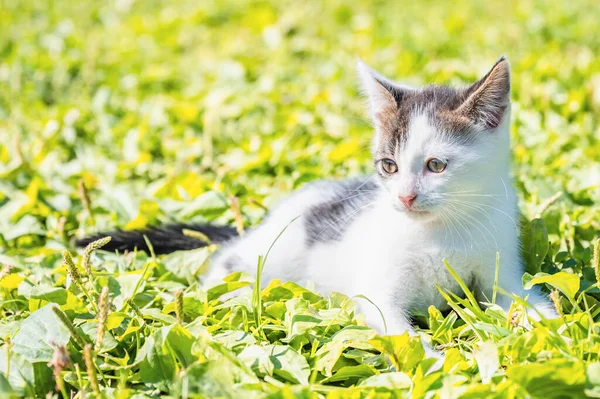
[385, 236]
[347, 237]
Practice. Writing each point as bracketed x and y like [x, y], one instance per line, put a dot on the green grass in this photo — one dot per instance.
[118, 114]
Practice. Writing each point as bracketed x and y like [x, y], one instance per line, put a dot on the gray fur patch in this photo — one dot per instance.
[329, 220]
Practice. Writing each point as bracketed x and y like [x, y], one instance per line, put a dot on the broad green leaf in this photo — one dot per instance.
[278, 360]
[157, 361]
[535, 245]
[395, 380]
[42, 379]
[186, 264]
[49, 294]
[115, 319]
[404, 351]
[21, 375]
[5, 389]
[207, 204]
[592, 389]
[235, 339]
[192, 308]
[349, 337]
[230, 283]
[90, 330]
[39, 334]
[214, 380]
[553, 379]
[566, 283]
[352, 373]
[180, 342]
[156, 314]
[128, 282]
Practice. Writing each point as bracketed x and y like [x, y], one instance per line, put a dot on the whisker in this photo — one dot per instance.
[494, 208]
[471, 217]
[474, 207]
[451, 217]
[481, 232]
[348, 219]
[464, 228]
[333, 225]
[505, 189]
[365, 182]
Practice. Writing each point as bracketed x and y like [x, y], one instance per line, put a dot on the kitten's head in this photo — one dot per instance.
[440, 150]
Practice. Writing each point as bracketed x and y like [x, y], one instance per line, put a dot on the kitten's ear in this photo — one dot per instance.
[488, 99]
[384, 95]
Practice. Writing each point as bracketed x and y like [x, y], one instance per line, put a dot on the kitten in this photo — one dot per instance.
[441, 191]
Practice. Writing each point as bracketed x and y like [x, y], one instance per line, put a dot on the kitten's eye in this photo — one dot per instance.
[436, 165]
[389, 166]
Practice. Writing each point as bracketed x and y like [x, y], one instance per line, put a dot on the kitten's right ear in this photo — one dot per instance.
[384, 96]
[488, 99]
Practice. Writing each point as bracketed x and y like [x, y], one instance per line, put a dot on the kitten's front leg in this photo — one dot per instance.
[387, 319]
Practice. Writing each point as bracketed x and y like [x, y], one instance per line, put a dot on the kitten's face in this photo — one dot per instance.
[437, 149]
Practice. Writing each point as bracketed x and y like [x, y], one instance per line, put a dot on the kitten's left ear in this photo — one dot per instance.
[488, 99]
[384, 95]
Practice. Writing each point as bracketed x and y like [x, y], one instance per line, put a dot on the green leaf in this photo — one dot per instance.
[192, 308]
[43, 381]
[233, 339]
[6, 391]
[352, 373]
[156, 314]
[49, 294]
[186, 264]
[535, 245]
[566, 283]
[21, 375]
[157, 361]
[404, 351]
[552, 379]
[214, 379]
[592, 373]
[207, 204]
[180, 342]
[115, 319]
[394, 380]
[348, 337]
[276, 360]
[231, 283]
[90, 329]
[39, 334]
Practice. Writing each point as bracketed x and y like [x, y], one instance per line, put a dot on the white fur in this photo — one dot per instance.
[394, 257]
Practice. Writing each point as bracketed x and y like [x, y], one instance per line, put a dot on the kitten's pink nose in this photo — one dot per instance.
[408, 200]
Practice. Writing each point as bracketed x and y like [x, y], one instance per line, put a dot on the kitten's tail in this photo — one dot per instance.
[163, 239]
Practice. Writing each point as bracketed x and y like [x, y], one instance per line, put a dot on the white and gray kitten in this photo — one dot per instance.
[441, 191]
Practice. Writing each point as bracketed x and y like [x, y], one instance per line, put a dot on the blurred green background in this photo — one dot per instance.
[165, 109]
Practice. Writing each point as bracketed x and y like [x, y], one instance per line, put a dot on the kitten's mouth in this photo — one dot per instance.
[416, 212]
